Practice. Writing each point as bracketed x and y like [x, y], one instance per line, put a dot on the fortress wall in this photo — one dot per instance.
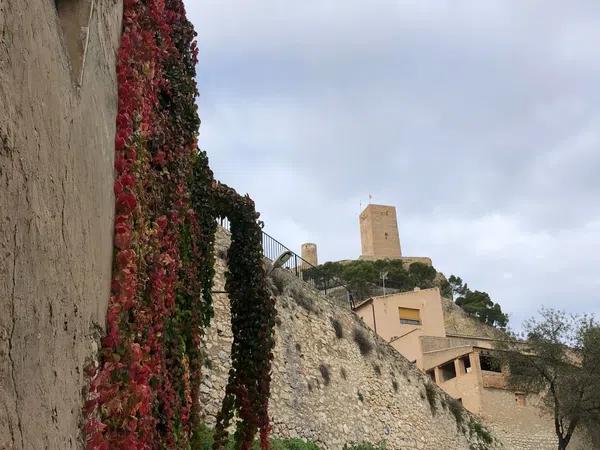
[520, 426]
[56, 203]
[359, 403]
[408, 260]
[526, 426]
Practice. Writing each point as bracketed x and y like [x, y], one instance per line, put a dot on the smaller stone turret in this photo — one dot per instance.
[309, 254]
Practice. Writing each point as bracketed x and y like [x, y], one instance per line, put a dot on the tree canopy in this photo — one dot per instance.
[477, 303]
[560, 360]
[363, 277]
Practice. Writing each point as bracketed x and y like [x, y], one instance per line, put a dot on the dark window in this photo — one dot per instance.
[431, 374]
[448, 371]
[490, 363]
[467, 363]
[410, 322]
[520, 399]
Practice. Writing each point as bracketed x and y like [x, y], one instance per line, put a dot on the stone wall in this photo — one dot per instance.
[58, 103]
[323, 388]
[459, 323]
[527, 426]
[379, 236]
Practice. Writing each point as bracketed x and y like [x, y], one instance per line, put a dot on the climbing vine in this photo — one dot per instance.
[143, 393]
[253, 320]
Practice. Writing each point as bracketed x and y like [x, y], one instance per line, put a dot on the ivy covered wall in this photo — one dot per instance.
[143, 394]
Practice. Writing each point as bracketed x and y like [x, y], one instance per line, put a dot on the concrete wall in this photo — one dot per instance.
[379, 233]
[358, 403]
[56, 220]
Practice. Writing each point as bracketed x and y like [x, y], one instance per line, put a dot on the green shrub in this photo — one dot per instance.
[337, 326]
[457, 411]
[202, 439]
[431, 396]
[304, 300]
[483, 435]
[325, 374]
[279, 281]
[293, 444]
[362, 340]
[377, 369]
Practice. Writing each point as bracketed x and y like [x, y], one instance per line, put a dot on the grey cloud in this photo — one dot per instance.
[478, 120]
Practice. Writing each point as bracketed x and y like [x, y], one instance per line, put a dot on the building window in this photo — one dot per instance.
[448, 371]
[466, 362]
[520, 398]
[74, 18]
[490, 363]
[410, 316]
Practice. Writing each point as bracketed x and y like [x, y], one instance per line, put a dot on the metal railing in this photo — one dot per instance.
[297, 265]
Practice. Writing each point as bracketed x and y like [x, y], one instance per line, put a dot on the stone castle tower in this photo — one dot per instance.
[309, 254]
[379, 233]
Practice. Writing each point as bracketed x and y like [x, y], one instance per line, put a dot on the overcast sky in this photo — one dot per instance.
[479, 120]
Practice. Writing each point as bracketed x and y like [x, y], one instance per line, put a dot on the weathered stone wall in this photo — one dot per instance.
[528, 426]
[459, 323]
[379, 236]
[323, 388]
[520, 427]
[56, 219]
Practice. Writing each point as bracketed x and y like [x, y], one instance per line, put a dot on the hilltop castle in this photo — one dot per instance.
[379, 238]
[454, 349]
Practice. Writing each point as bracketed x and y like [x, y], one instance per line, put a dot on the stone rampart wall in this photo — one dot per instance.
[324, 389]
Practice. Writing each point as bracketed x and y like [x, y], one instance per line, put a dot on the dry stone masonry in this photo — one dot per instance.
[324, 389]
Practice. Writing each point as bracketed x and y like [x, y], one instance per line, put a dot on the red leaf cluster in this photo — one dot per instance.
[140, 396]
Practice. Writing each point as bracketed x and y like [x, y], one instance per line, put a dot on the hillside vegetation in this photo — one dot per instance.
[363, 279]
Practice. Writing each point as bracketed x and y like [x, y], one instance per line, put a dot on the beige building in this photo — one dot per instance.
[455, 350]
